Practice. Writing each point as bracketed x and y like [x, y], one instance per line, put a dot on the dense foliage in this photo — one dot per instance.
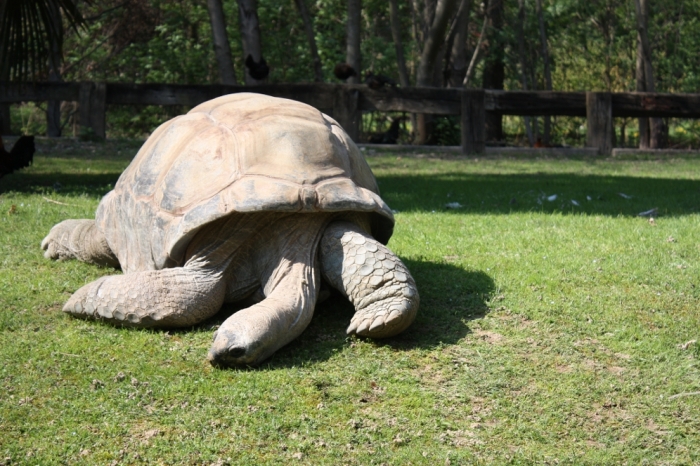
[592, 46]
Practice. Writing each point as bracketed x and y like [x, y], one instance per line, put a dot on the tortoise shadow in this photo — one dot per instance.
[576, 194]
[451, 296]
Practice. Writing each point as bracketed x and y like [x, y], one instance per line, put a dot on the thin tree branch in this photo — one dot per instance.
[396, 34]
[86, 55]
[102, 13]
[309, 28]
[472, 63]
[453, 27]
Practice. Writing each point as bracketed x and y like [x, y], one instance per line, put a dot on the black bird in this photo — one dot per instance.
[257, 70]
[390, 136]
[21, 155]
[377, 81]
[343, 71]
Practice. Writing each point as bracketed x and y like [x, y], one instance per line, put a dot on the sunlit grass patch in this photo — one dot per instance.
[549, 331]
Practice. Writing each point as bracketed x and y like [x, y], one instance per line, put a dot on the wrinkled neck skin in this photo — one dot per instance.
[283, 259]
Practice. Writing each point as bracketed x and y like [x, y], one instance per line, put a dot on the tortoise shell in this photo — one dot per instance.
[239, 153]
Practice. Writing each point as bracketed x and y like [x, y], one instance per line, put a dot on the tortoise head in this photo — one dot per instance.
[236, 346]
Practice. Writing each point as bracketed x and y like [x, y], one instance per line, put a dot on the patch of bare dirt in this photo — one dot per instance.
[460, 438]
[617, 370]
[490, 337]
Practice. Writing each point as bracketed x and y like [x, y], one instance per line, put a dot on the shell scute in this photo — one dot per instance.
[206, 164]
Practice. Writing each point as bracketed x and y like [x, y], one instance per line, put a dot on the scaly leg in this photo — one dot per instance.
[177, 297]
[372, 277]
[78, 239]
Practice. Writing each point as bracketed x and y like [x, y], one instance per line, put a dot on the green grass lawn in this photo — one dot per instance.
[551, 330]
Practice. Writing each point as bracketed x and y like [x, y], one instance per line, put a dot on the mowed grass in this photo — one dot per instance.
[550, 331]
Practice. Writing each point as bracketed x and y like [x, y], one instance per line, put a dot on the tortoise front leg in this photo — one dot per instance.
[253, 334]
[286, 259]
[372, 277]
[78, 239]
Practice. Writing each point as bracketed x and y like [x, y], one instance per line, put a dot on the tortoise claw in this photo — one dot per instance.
[352, 328]
[362, 329]
[377, 324]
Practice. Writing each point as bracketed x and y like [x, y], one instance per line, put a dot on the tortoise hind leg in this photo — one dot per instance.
[177, 297]
[78, 239]
[173, 297]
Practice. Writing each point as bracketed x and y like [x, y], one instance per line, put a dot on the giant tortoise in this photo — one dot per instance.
[244, 197]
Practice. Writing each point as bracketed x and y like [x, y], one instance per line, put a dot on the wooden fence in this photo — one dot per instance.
[347, 102]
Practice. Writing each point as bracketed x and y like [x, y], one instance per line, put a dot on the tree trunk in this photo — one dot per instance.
[309, 28]
[458, 53]
[4, 76]
[250, 35]
[547, 71]
[53, 112]
[222, 49]
[418, 23]
[431, 49]
[494, 69]
[429, 9]
[433, 41]
[651, 130]
[641, 87]
[4, 62]
[623, 132]
[398, 44]
[520, 37]
[477, 50]
[353, 56]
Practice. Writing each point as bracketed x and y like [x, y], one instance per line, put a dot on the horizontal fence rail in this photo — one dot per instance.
[347, 102]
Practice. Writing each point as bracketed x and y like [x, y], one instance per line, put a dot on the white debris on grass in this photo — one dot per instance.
[454, 205]
[686, 345]
[649, 213]
[575, 202]
[552, 198]
[626, 196]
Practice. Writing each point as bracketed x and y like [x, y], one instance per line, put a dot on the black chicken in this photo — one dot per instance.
[21, 155]
[343, 71]
[390, 136]
[257, 70]
[377, 81]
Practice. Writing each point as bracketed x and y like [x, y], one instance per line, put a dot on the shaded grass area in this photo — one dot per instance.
[548, 331]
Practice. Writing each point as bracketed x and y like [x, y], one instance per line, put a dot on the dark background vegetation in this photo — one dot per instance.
[588, 45]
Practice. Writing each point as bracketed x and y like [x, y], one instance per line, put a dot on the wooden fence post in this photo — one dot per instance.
[473, 121]
[599, 121]
[84, 106]
[92, 102]
[98, 108]
[5, 127]
[346, 110]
